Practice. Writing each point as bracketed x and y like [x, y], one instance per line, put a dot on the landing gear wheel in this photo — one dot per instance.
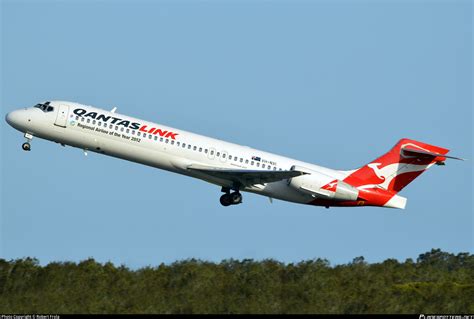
[231, 199]
[26, 146]
[236, 198]
[225, 200]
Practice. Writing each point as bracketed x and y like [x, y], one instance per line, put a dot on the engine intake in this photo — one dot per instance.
[322, 186]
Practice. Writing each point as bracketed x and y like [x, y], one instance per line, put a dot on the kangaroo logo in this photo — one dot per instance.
[332, 186]
[377, 170]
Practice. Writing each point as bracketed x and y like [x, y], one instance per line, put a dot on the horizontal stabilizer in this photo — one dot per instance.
[410, 151]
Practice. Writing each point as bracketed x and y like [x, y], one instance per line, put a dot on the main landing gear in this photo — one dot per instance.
[230, 198]
[27, 146]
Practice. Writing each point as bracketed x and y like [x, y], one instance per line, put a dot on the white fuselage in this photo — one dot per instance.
[158, 145]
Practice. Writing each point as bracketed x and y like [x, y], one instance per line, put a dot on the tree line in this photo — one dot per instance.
[437, 282]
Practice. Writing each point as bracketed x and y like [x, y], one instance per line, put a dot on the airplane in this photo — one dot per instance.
[235, 168]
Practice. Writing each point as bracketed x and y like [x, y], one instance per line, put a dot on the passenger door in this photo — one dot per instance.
[61, 117]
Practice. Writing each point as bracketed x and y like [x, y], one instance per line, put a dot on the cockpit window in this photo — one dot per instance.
[45, 107]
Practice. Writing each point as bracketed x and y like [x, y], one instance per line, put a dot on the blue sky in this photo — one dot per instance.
[335, 83]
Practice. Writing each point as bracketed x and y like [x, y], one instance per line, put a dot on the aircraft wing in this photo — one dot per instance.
[245, 177]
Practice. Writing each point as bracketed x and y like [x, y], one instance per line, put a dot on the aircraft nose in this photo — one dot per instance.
[16, 119]
[12, 117]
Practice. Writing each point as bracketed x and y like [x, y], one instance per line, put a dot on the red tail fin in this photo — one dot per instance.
[397, 168]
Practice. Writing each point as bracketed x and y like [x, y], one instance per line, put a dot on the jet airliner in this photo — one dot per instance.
[234, 168]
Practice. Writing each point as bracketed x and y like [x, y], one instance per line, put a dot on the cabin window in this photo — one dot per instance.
[195, 148]
[116, 128]
[111, 126]
[235, 158]
[88, 120]
[167, 141]
[177, 143]
[200, 149]
[161, 139]
[122, 129]
[128, 131]
[280, 169]
[263, 165]
[93, 122]
[205, 151]
[218, 154]
[258, 164]
[133, 132]
[223, 155]
[189, 146]
[241, 159]
[212, 152]
[172, 142]
[139, 134]
[246, 161]
[274, 168]
[150, 136]
[156, 138]
[184, 145]
[252, 162]
[77, 118]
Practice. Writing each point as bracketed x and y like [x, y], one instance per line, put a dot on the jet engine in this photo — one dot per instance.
[322, 186]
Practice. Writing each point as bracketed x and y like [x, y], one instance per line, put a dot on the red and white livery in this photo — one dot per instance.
[233, 167]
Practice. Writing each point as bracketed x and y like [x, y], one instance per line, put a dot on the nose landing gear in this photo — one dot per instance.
[229, 198]
[27, 146]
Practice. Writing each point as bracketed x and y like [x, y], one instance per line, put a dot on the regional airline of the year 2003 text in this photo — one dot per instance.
[233, 167]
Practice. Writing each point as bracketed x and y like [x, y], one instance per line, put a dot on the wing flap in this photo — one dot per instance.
[244, 177]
